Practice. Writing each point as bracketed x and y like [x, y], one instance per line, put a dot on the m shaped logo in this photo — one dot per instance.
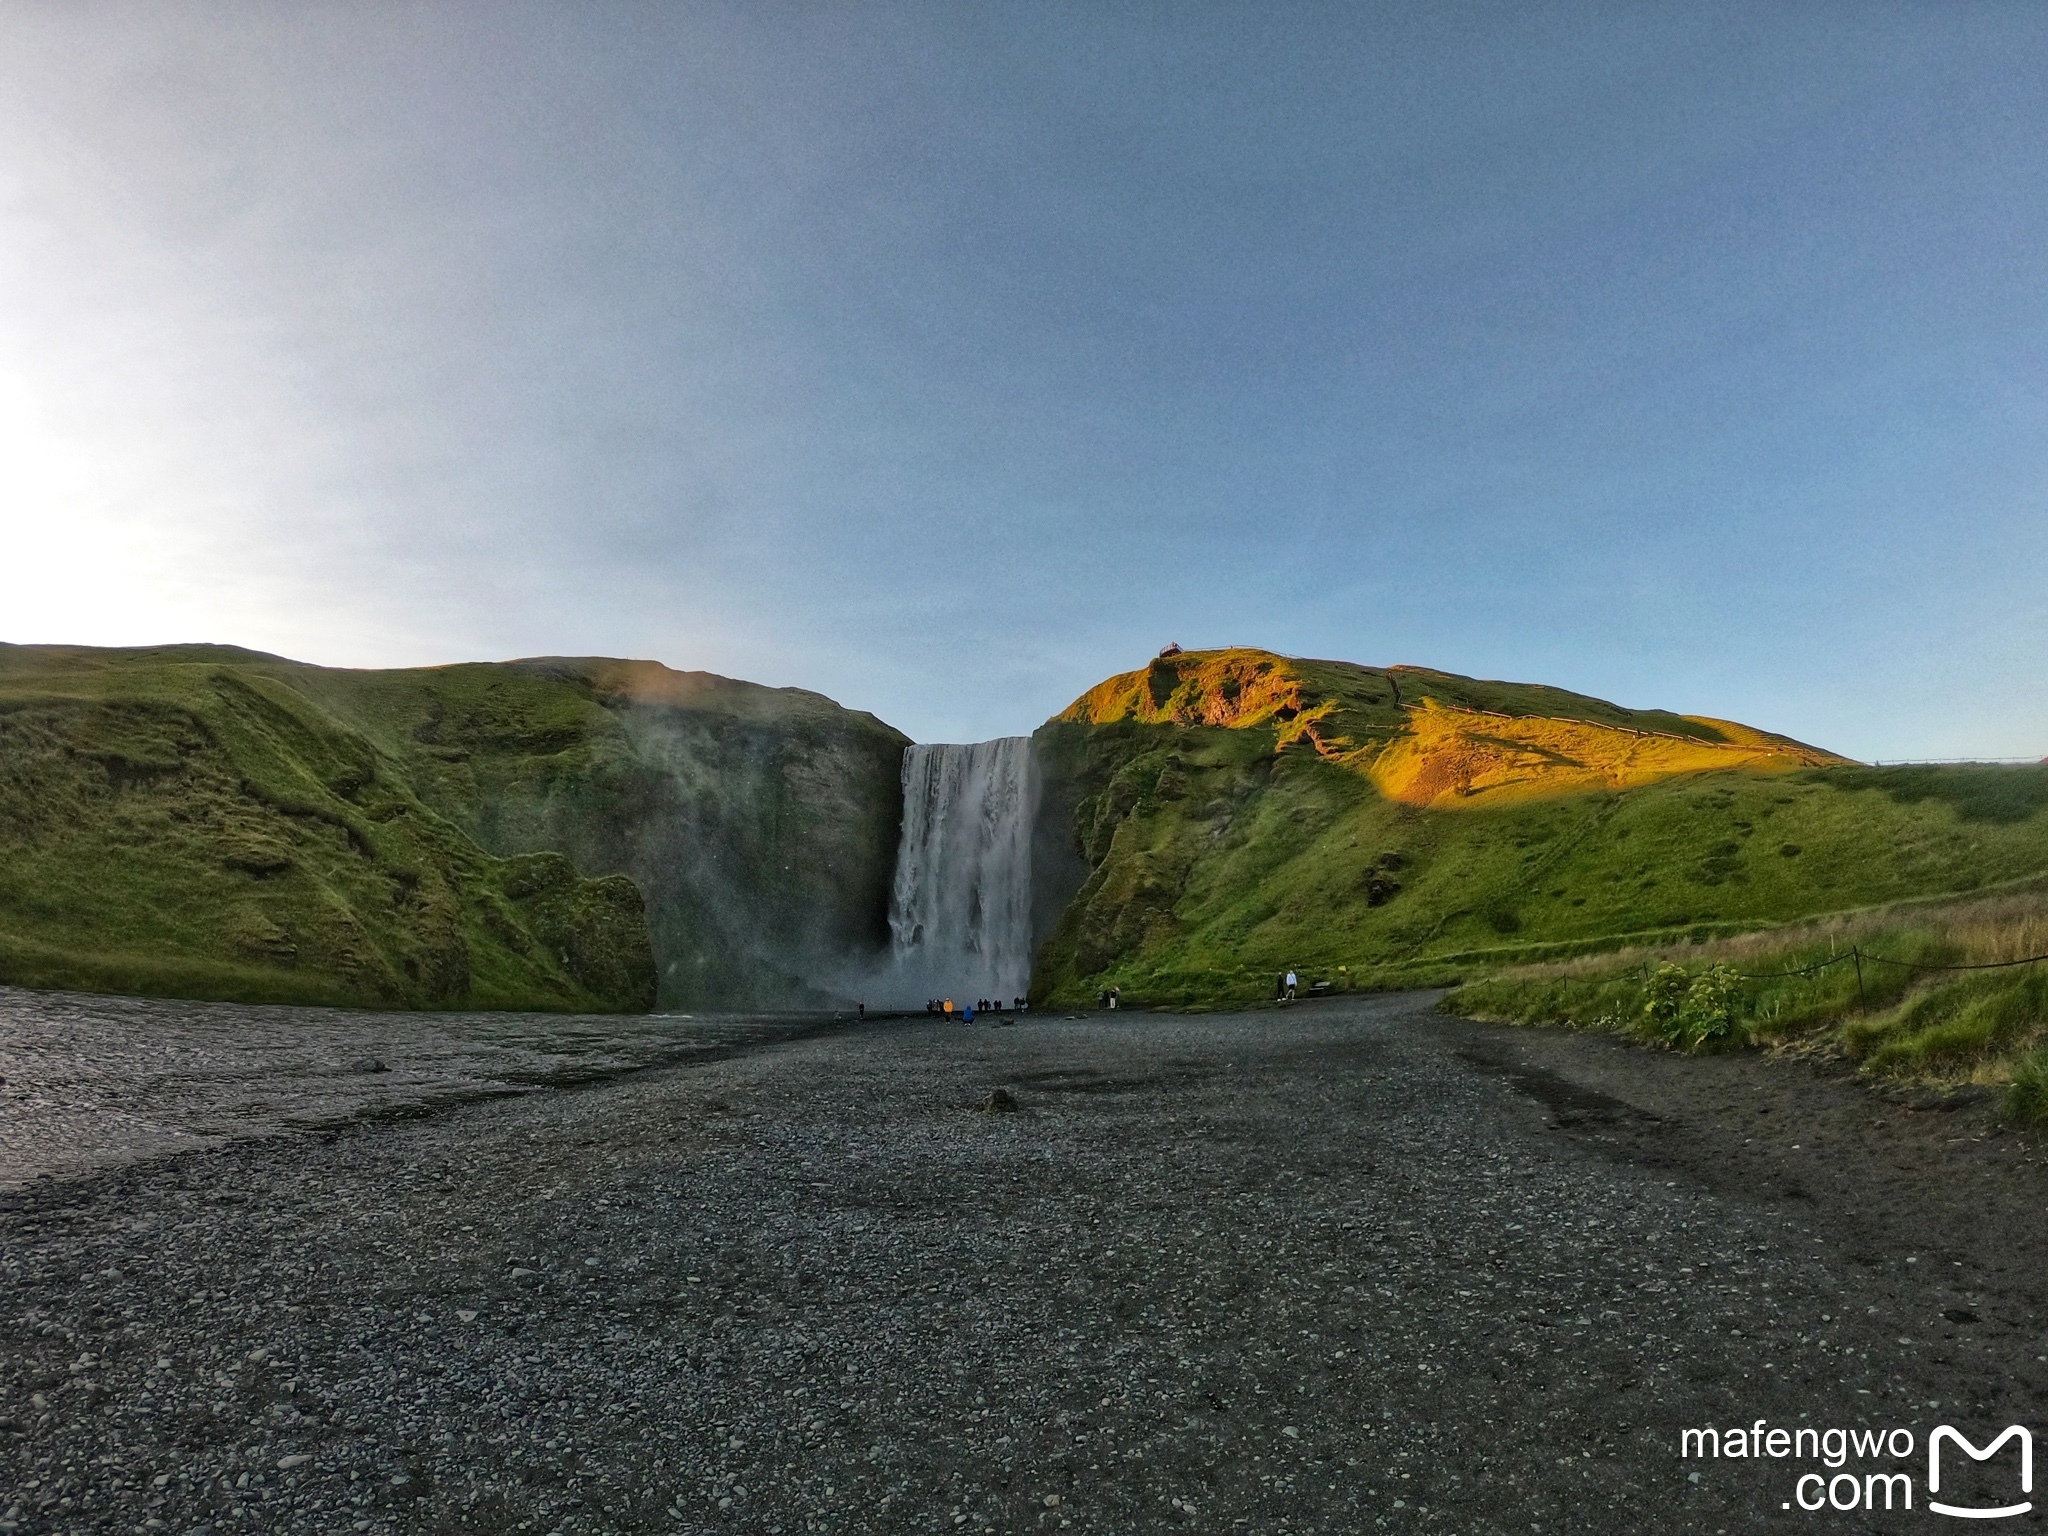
[2013, 1432]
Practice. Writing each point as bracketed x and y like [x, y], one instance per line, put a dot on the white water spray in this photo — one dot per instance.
[960, 912]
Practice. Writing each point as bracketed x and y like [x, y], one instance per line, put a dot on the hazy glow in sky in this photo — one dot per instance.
[948, 358]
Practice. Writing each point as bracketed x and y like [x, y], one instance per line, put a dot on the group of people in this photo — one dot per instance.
[945, 1008]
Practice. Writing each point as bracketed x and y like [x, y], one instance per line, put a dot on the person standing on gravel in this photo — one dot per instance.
[1290, 986]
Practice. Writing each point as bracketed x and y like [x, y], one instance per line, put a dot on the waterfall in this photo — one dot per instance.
[960, 912]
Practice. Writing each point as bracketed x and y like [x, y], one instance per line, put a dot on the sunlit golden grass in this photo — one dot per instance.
[1450, 759]
[1431, 739]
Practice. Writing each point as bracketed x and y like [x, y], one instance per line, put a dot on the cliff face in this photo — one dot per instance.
[557, 833]
[1218, 817]
[760, 824]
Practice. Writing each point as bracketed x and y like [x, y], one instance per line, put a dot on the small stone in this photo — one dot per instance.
[296, 1459]
[465, 1316]
[1000, 1101]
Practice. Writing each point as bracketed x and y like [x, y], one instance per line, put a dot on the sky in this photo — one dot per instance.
[948, 358]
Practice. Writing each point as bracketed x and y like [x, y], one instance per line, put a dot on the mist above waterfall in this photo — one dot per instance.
[960, 913]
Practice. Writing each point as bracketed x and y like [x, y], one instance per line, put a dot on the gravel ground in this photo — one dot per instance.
[1346, 1267]
[89, 1081]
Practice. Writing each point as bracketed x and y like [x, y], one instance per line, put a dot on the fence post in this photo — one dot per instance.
[1858, 953]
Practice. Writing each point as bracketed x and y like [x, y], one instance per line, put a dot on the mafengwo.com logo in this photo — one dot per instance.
[1873, 1470]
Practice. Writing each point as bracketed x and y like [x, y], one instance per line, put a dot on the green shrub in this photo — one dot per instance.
[1712, 1001]
[1664, 1002]
[1687, 1011]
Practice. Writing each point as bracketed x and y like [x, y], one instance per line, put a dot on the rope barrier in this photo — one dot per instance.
[1981, 965]
[1805, 970]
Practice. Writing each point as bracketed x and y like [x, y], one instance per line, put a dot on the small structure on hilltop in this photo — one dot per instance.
[1172, 649]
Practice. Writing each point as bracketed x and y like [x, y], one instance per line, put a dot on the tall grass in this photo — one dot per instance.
[1868, 988]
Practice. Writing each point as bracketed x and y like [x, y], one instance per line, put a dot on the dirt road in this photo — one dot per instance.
[1347, 1267]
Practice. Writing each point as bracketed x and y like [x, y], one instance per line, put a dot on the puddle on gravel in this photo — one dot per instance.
[88, 1081]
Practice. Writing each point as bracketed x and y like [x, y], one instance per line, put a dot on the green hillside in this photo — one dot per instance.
[184, 822]
[208, 821]
[1230, 814]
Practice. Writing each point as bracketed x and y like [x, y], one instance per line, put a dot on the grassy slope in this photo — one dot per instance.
[1836, 988]
[1241, 813]
[184, 821]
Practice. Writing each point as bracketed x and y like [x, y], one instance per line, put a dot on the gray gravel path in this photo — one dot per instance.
[88, 1081]
[1348, 1267]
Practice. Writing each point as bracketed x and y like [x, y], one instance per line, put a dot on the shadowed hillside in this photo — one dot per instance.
[185, 822]
[213, 822]
[1220, 816]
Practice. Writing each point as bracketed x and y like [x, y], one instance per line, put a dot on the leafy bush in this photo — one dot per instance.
[1687, 1011]
[1664, 1001]
[1708, 1013]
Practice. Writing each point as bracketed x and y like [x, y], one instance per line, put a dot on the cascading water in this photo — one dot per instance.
[960, 912]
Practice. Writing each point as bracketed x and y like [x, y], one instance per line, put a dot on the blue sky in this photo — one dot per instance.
[948, 358]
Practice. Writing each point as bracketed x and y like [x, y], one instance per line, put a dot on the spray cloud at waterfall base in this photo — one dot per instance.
[960, 912]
